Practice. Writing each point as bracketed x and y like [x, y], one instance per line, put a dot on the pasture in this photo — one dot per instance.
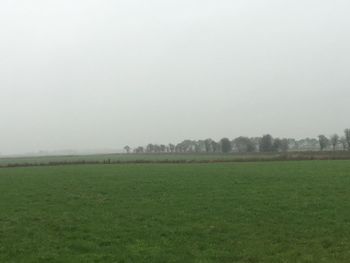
[171, 158]
[218, 212]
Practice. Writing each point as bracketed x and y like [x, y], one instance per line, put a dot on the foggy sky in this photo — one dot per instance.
[103, 74]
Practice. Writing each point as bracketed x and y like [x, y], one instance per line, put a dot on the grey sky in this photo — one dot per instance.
[102, 74]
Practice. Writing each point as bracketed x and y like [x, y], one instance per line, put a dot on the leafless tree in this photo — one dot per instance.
[334, 141]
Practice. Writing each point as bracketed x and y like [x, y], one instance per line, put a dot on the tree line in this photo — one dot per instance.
[242, 144]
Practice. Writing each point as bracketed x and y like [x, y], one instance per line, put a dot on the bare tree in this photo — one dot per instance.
[172, 147]
[208, 145]
[334, 141]
[127, 149]
[347, 137]
[226, 146]
[266, 143]
[244, 144]
[150, 148]
[323, 141]
[343, 142]
[284, 145]
[215, 146]
[162, 148]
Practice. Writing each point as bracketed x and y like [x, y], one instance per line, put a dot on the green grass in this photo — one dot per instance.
[231, 212]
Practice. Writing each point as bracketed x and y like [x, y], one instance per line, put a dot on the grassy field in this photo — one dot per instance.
[173, 158]
[188, 157]
[223, 212]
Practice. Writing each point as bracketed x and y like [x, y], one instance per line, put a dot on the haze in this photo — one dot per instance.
[105, 74]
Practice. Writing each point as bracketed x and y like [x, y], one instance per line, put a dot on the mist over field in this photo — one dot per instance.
[104, 74]
[174, 131]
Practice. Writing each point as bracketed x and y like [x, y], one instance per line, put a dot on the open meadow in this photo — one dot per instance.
[218, 212]
[172, 158]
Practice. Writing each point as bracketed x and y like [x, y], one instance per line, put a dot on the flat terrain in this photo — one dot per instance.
[151, 157]
[172, 158]
[222, 212]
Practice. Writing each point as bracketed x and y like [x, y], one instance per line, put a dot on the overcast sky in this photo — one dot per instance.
[90, 74]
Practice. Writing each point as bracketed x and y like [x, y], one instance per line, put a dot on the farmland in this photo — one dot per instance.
[171, 158]
[197, 212]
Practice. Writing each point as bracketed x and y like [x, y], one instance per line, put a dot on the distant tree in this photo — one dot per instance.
[266, 143]
[198, 146]
[323, 141]
[162, 148]
[251, 146]
[347, 137]
[156, 148]
[172, 148]
[226, 146]
[208, 145]
[187, 146]
[334, 141]
[344, 143]
[150, 148]
[127, 149]
[139, 149]
[256, 143]
[292, 144]
[280, 145]
[308, 144]
[244, 144]
[178, 148]
[277, 145]
[284, 145]
[215, 146]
